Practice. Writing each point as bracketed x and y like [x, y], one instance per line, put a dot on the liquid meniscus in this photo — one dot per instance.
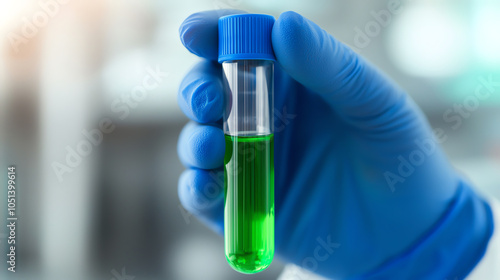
[249, 202]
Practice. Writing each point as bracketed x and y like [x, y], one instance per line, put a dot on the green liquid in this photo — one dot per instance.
[249, 202]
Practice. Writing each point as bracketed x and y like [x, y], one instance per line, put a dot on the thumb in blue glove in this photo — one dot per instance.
[338, 163]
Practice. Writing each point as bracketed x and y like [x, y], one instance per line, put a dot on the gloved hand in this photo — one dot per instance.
[362, 191]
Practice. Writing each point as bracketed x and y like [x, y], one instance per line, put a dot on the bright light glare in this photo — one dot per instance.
[10, 10]
[427, 40]
[487, 34]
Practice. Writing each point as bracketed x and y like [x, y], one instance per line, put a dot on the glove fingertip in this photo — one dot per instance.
[201, 146]
[192, 37]
[207, 102]
[201, 194]
[306, 52]
[199, 31]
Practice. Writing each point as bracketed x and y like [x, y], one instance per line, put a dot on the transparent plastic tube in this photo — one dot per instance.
[249, 164]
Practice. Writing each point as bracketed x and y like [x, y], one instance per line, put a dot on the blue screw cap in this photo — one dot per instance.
[245, 36]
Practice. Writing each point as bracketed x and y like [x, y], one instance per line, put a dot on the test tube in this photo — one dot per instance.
[247, 58]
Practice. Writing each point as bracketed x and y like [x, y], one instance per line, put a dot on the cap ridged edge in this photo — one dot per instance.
[245, 36]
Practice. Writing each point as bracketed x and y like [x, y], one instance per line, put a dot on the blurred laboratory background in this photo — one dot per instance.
[92, 208]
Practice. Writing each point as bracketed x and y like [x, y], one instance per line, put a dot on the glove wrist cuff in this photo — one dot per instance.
[451, 249]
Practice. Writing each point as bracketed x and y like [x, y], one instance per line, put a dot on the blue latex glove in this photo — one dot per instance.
[362, 190]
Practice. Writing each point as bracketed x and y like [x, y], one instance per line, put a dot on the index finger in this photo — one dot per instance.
[199, 32]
